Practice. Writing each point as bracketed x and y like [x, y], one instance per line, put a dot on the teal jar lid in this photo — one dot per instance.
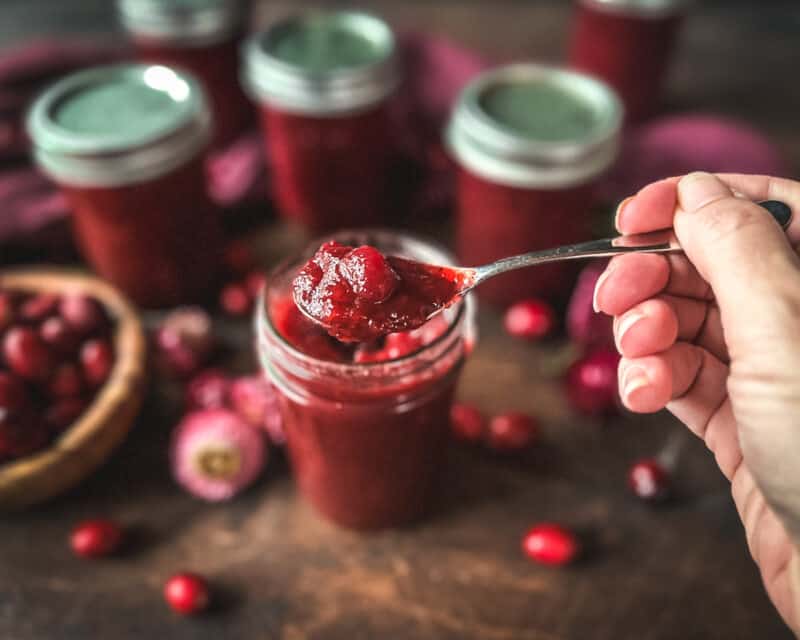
[322, 63]
[118, 124]
[183, 22]
[640, 8]
[535, 126]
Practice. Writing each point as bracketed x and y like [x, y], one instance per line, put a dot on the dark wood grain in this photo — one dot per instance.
[681, 571]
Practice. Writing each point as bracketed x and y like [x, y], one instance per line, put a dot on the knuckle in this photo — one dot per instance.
[726, 217]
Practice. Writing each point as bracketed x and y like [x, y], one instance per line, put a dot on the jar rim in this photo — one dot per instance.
[641, 8]
[194, 24]
[124, 156]
[499, 153]
[269, 78]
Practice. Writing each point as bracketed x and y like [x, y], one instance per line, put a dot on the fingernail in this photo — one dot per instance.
[603, 277]
[625, 324]
[699, 189]
[621, 206]
[634, 378]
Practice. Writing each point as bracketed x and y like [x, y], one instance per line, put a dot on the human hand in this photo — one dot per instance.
[714, 336]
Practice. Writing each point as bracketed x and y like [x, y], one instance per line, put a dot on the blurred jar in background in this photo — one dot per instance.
[126, 144]
[628, 44]
[531, 142]
[201, 37]
[323, 81]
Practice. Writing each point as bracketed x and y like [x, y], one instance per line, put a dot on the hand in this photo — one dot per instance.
[714, 336]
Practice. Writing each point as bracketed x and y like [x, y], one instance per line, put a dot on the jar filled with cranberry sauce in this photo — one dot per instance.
[323, 82]
[203, 38]
[530, 142]
[126, 144]
[366, 424]
[627, 44]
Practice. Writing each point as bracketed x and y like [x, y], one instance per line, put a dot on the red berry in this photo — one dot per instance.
[64, 412]
[66, 381]
[235, 300]
[592, 383]
[97, 360]
[96, 538]
[189, 328]
[550, 544]
[649, 480]
[529, 319]
[186, 593]
[207, 390]
[369, 274]
[84, 315]
[255, 283]
[55, 333]
[26, 355]
[39, 307]
[467, 422]
[13, 393]
[512, 432]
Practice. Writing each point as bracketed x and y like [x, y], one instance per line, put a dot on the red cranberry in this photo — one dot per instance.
[235, 300]
[96, 538]
[26, 355]
[66, 381]
[550, 544]
[13, 393]
[369, 274]
[64, 412]
[649, 480]
[529, 319]
[207, 390]
[55, 333]
[186, 593]
[239, 258]
[592, 383]
[255, 283]
[97, 360]
[512, 432]
[186, 340]
[467, 422]
[39, 307]
[84, 315]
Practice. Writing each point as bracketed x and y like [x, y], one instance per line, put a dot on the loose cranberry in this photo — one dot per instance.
[64, 412]
[13, 394]
[550, 544]
[512, 432]
[185, 340]
[467, 422]
[239, 258]
[649, 480]
[207, 390]
[83, 314]
[255, 283]
[592, 383]
[186, 593]
[55, 333]
[97, 360]
[529, 319]
[235, 300]
[39, 307]
[96, 538]
[369, 274]
[66, 381]
[26, 355]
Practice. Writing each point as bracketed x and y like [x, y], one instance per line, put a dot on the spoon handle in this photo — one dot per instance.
[654, 242]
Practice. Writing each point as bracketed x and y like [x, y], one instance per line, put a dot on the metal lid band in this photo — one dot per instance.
[181, 23]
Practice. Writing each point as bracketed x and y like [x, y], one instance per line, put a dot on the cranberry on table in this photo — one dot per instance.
[186, 593]
[96, 538]
[550, 544]
[26, 355]
[83, 314]
[512, 431]
[592, 385]
[207, 390]
[529, 319]
[649, 480]
[97, 360]
[235, 300]
[467, 423]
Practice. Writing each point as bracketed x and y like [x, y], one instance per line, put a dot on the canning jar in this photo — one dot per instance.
[530, 142]
[126, 145]
[628, 44]
[203, 38]
[365, 439]
[323, 83]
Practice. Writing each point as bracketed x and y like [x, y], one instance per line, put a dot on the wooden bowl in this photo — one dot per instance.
[86, 444]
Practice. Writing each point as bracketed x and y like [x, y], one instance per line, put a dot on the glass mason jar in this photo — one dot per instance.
[365, 440]
[530, 142]
[126, 145]
[628, 44]
[323, 83]
[201, 37]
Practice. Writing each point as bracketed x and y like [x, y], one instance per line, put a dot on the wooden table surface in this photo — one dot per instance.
[681, 571]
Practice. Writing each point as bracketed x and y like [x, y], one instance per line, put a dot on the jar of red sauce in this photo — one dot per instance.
[201, 37]
[365, 437]
[323, 82]
[530, 142]
[627, 43]
[126, 145]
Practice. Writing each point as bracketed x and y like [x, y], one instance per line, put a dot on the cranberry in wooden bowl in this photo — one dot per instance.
[72, 373]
